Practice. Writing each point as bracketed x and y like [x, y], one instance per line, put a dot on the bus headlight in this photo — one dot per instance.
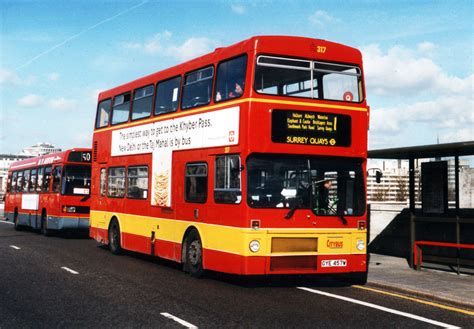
[254, 246]
[360, 245]
[69, 209]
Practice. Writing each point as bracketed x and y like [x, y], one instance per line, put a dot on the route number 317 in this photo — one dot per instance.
[320, 49]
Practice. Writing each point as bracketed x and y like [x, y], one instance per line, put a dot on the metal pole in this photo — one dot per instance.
[456, 191]
[411, 166]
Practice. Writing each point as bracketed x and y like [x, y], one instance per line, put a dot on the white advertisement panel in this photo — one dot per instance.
[218, 128]
[211, 129]
[29, 201]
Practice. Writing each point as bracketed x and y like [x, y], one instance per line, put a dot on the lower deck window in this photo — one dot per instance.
[116, 182]
[137, 182]
[196, 182]
[227, 183]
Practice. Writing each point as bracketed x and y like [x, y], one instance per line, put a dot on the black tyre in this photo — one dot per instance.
[44, 225]
[193, 257]
[17, 226]
[358, 278]
[114, 238]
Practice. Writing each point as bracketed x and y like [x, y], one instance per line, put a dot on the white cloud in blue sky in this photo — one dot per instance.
[238, 9]
[321, 18]
[57, 56]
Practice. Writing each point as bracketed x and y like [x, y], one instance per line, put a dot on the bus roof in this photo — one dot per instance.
[50, 158]
[302, 47]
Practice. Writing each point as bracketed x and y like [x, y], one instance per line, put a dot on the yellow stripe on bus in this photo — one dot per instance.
[229, 239]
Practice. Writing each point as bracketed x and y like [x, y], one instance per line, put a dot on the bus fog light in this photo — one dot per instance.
[254, 246]
[360, 245]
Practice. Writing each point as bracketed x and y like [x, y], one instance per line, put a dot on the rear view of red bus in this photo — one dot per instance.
[51, 192]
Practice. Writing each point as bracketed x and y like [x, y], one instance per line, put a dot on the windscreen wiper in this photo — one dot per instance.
[343, 219]
[293, 209]
[291, 212]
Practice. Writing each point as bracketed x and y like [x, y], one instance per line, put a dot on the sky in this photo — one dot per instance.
[56, 56]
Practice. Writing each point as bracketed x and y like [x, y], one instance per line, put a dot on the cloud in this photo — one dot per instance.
[152, 46]
[402, 71]
[459, 135]
[321, 18]
[440, 113]
[62, 104]
[426, 47]
[83, 139]
[53, 76]
[191, 48]
[161, 44]
[31, 100]
[238, 9]
[9, 78]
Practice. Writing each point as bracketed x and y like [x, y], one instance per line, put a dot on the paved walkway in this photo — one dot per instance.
[395, 274]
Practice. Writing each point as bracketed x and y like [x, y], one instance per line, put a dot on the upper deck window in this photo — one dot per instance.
[103, 114]
[121, 108]
[142, 102]
[197, 88]
[230, 79]
[308, 79]
[167, 95]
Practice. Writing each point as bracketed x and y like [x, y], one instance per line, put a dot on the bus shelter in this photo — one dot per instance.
[441, 229]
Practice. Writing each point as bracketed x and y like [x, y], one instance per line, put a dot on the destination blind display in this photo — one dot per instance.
[80, 156]
[311, 128]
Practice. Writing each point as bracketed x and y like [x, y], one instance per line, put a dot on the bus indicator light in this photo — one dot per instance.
[255, 224]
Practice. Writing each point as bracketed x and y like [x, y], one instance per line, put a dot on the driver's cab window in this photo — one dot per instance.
[197, 88]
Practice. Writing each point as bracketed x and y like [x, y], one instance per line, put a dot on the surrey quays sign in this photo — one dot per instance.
[311, 128]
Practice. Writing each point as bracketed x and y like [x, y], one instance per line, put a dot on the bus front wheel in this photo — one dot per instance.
[114, 238]
[194, 255]
[358, 278]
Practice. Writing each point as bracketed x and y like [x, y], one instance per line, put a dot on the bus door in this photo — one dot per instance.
[192, 185]
[53, 202]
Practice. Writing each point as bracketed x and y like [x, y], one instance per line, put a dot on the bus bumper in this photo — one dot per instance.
[286, 252]
[68, 223]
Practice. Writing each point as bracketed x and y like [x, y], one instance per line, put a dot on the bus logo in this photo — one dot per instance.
[335, 244]
[231, 136]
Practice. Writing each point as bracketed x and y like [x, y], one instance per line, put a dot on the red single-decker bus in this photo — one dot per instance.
[51, 192]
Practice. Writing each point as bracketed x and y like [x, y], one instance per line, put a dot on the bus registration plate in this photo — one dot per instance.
[333, 263]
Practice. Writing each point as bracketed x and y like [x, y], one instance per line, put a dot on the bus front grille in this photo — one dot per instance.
[287, 244]
[285, 263]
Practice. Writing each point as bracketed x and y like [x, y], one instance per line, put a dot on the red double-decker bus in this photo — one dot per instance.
[50, 192]
[248, 160]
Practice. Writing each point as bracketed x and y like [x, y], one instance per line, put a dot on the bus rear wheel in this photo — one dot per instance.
[17, 226]
[44, 224]
[194, 255]
[114, 238]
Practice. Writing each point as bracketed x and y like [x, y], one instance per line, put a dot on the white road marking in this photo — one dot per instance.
[180, 321]
[69, 270]
[5, 222]
[15, 247]
[382, 308]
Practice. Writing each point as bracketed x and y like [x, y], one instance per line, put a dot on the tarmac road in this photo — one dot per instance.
[70, 281]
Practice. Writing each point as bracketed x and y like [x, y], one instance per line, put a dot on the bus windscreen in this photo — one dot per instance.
[76, 180]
